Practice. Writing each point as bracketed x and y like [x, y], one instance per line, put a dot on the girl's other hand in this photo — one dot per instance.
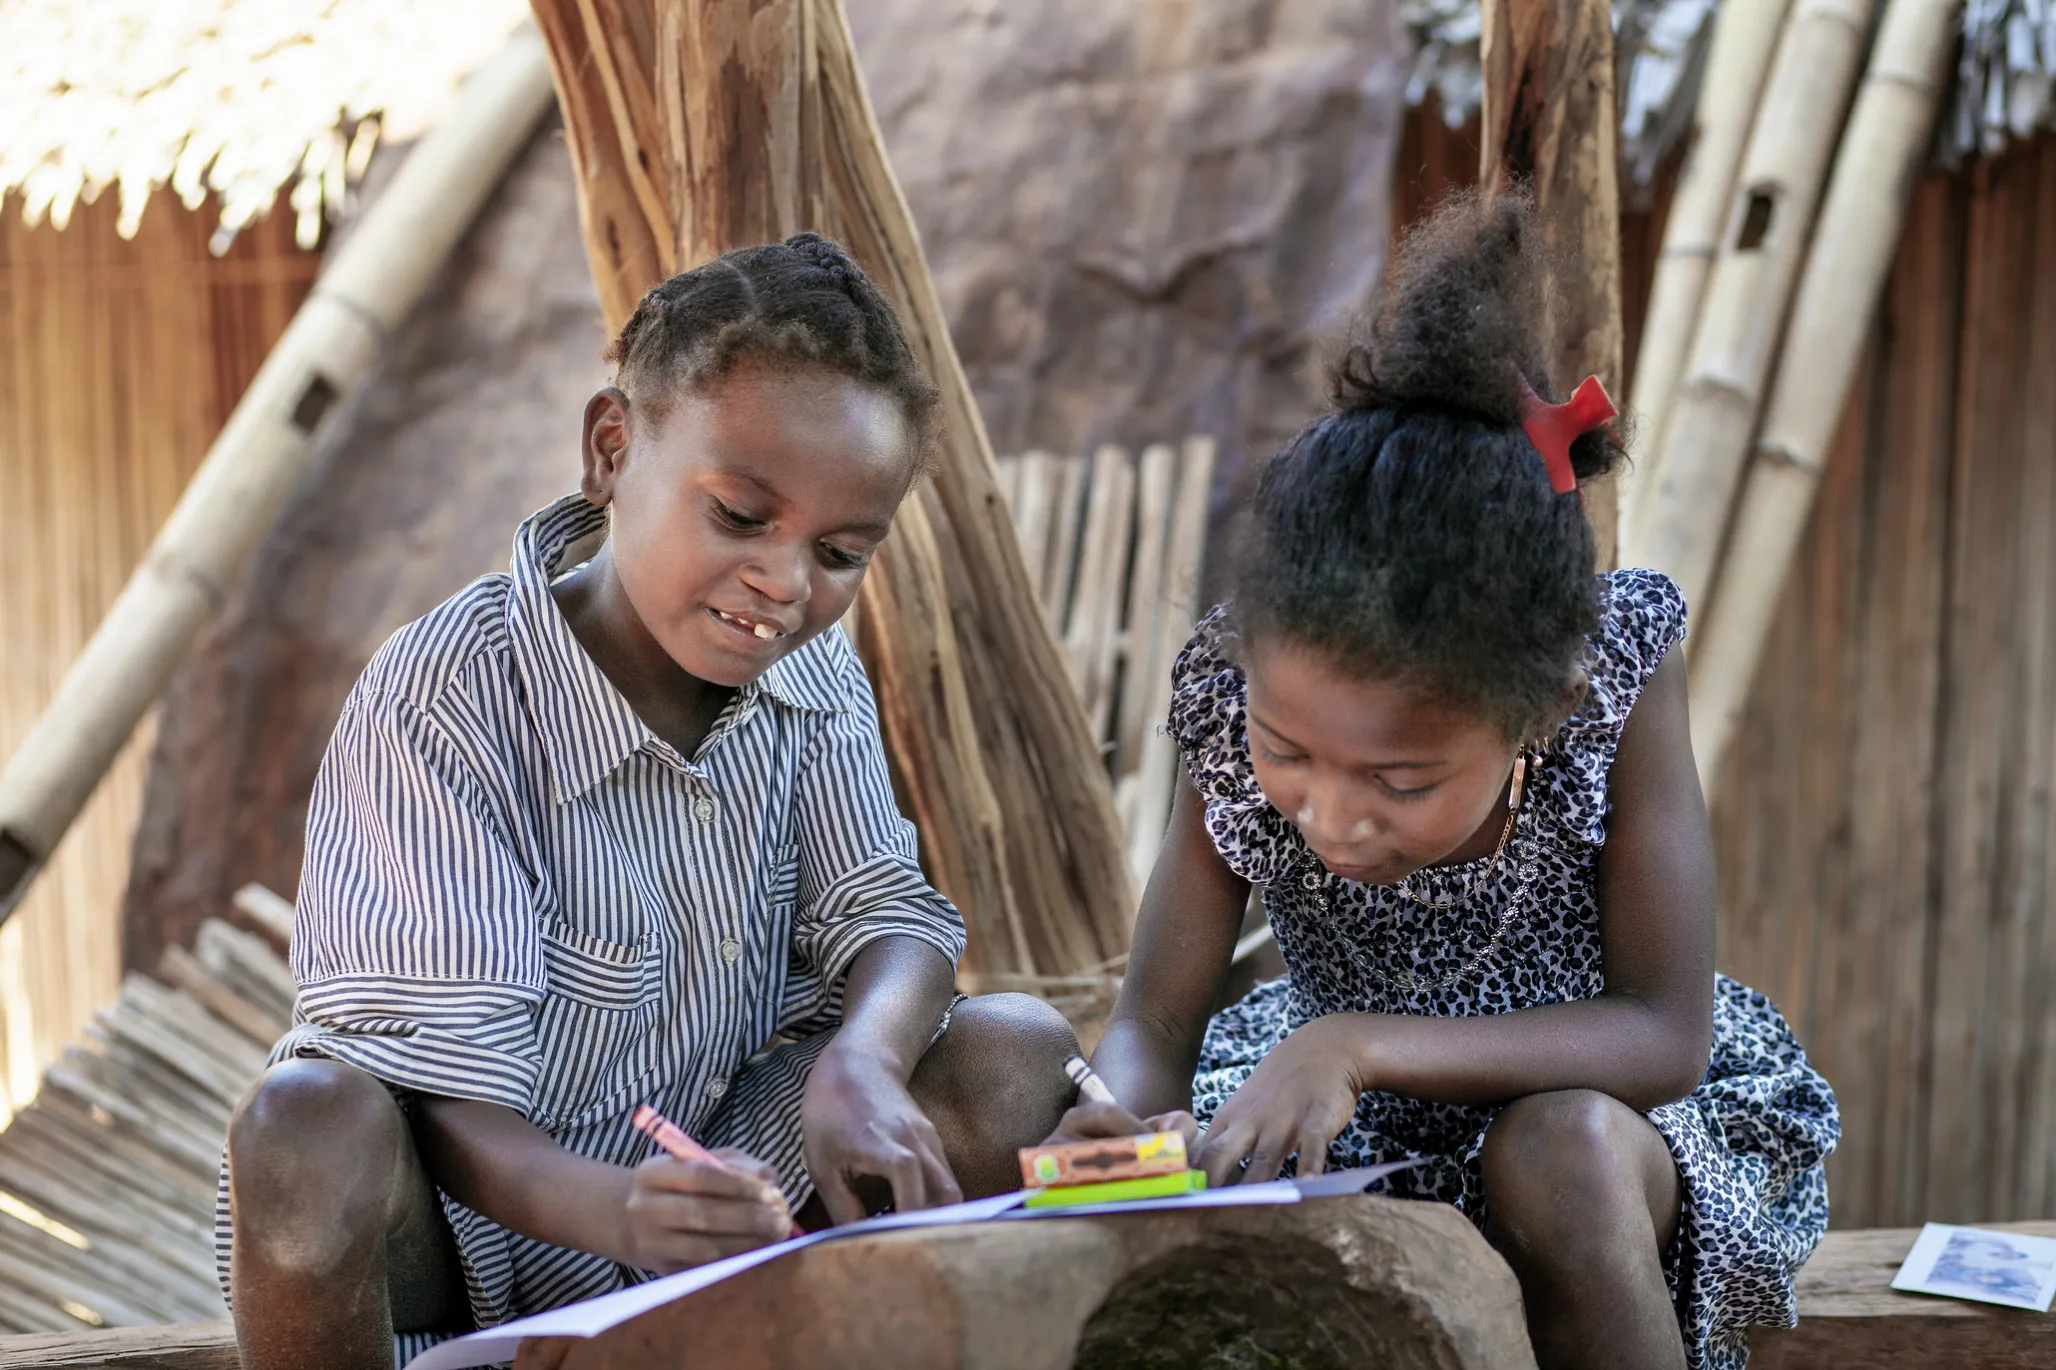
[1297, 1099]
[1091, 1122]
[860, 1121]
[686, 1213]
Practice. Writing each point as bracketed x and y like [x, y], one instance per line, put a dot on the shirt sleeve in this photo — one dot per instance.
[415, 939]
[859, 872]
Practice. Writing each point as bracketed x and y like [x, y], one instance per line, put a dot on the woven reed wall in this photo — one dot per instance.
[118, 363]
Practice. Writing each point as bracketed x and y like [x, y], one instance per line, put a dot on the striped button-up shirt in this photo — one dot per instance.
[514, 891]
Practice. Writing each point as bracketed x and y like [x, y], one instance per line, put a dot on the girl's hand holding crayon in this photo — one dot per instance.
[1089, 1121]
[683, 1213]
[1299, 1098]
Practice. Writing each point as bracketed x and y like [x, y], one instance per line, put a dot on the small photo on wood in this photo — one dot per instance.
[1991, 1267]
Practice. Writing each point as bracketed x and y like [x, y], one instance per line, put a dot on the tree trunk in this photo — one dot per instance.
[696, 128]
[1547, 120]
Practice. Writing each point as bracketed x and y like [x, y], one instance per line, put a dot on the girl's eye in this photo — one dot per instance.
[736, 519]
[845, 560]
[1274, 758]
[1404, 795]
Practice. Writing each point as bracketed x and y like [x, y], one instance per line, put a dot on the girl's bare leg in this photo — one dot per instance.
[1583, 1196]
[339, 1236]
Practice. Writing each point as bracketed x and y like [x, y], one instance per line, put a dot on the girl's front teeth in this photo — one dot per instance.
[763, 630]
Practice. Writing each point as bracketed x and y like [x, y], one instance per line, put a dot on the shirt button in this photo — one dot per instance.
[703, 809]
[1310, 881]
[716, 1088]
[730, 950]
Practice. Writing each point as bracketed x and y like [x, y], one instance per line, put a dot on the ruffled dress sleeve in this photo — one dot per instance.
[1641, 617]
[1208, 721]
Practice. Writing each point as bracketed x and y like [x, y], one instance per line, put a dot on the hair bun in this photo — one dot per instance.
[827, 257]
[1459, 319]
[1459, 324]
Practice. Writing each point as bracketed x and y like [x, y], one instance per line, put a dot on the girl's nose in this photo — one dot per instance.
[780, 575]
[1326, 825]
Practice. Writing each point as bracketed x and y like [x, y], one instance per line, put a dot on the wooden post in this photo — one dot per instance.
[1547, 119]
[695, 128]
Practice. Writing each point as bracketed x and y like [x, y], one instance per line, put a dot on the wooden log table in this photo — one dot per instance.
[1167, 1291]
[1327, 1284]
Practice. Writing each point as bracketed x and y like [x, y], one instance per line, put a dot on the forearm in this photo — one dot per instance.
[1639, 1053]
[1148, 1067]
[500, 1165]
[892, 1001]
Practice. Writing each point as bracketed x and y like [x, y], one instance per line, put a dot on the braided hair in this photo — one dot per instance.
[1412, 534]
[801, 302]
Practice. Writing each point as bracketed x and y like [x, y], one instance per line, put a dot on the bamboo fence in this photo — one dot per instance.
[1745, 35]
[1887, 139]
[1114, 541]
[1681, 515]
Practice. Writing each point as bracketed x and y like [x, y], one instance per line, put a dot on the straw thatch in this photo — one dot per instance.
[233, 98]
[1657, 58]
[2005, 80]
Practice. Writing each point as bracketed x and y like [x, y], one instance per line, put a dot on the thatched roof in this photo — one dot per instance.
[237, 98]
[2006, 77]
[2005, 87]
[1659, 43]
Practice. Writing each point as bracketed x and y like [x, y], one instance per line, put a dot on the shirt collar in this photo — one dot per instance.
[588, 728]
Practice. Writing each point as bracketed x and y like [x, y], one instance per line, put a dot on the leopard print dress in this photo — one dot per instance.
[1749, 1141]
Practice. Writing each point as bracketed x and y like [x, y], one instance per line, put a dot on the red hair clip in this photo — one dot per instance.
[1552, 428]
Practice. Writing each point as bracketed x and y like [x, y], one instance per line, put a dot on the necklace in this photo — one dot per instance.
[1513, 811]
[1407, 980]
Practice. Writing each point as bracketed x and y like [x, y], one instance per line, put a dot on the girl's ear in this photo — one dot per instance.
[604, 445]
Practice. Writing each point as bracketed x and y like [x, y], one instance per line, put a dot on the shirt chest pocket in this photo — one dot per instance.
[596, 1026]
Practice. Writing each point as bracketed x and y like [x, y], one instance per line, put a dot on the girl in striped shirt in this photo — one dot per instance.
[616, 828]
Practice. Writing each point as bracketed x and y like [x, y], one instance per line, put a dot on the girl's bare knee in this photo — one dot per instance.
[996, 1083]
[313, 1150]
[1563, 1166]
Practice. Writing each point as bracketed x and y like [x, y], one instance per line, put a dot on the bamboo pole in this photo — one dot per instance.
[1547, 118]
[1860, 224]
[1684, 513]
[378, 273]
[698, 128]
[1744, 36]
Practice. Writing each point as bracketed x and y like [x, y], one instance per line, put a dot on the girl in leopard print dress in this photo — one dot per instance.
[1457, 764]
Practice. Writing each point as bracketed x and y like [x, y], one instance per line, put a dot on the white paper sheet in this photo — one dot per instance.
[496, 1345]
[1336, 1183]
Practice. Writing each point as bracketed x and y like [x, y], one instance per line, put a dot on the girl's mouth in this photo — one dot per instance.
[756, 628]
